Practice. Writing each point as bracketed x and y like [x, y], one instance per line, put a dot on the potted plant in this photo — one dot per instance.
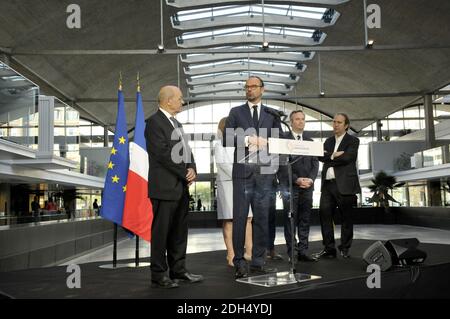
[382, 183]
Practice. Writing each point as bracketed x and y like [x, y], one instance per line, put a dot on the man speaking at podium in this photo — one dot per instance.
[247, 129]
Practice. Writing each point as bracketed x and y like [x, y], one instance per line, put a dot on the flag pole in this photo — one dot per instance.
[115, 246]
[114, 263]
[136, 256]
[137, 237]
[137, 252]
[138, 83]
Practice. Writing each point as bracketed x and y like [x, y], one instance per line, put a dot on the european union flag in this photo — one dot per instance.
[116, 178]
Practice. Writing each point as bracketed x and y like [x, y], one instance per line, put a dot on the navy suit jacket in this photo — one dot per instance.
[240, 124]
[303, 166]
[345, 172]
[166, 178]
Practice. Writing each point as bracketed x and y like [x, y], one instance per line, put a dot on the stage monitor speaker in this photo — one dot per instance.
[378, 254]
[405, 252]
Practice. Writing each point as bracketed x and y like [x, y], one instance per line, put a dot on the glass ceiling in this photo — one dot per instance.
[201, 3]
[247, 30]
[240, 25]
[243, 61]
[250, 10]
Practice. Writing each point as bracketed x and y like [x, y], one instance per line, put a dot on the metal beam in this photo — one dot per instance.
[417, 95]
[202, 3]
[340, 48]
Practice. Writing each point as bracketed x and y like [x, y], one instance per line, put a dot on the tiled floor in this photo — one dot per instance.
[210, 239]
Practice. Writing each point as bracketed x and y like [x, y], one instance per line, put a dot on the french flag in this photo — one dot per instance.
[138, 211]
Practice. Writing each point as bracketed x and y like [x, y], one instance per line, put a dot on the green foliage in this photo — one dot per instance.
[382, 183]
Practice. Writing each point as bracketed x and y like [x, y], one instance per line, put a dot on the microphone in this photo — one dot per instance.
[275, 113]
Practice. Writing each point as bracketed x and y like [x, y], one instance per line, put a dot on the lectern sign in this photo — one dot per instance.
[294, 147]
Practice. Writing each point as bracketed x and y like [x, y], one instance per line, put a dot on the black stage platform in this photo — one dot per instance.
[341, 278]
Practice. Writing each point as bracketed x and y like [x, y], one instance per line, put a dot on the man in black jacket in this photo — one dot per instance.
[340, 184]
[304, 172]
[171, 170]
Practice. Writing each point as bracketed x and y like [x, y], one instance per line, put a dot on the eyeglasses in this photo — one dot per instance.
[252, 87]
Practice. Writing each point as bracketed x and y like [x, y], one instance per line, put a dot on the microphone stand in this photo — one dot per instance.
[291, 212]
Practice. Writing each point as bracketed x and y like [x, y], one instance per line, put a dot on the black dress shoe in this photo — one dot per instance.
[241, 272]
[326, 254]
[345, 253]
[164, 282]
[261, 270]
[187, 276]
[306, 258]
[274, 255]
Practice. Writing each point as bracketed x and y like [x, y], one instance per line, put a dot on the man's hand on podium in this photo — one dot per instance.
[256, 143]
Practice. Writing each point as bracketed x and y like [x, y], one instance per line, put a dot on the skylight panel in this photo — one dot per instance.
[243, 61]
[251, 10]
[298, 32]
[201, 3]
[213, 75]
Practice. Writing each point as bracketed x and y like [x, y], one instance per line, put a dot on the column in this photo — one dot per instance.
[105, 136]
[379, 130]
[430, 137]
[433, 187]
[46, 126]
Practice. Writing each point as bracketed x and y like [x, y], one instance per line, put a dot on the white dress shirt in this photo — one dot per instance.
[296, 135]
[168, 115]
[258, 110]
[330, 171]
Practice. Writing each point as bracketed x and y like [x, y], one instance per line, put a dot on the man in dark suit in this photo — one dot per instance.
[304, 172]
[171, 171]
[340, 184]
[247, 128]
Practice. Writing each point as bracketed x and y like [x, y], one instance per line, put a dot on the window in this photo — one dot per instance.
[417, 196]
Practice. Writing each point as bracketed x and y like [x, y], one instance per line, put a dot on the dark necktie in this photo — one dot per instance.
[299, 137]
[174, 121]
[178, 128]
[255, 116]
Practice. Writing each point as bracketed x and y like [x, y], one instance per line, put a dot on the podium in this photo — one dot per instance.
[287, 147]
